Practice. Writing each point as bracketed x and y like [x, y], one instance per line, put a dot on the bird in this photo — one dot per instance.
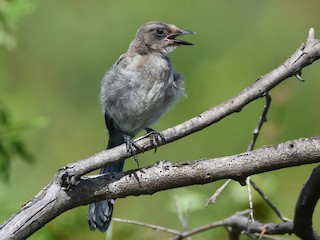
[139, 88]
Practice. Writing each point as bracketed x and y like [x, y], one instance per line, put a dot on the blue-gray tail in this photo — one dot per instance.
[100, 213]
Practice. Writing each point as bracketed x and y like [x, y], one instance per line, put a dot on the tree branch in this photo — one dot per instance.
[306, 203]
[262, 120]
[68, 190]
[54, 199]
[241, 223]
[305, 55]
[270, 204]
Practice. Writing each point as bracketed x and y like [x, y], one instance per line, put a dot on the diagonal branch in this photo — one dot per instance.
[305, 55]
[262, 120]
[268, 201]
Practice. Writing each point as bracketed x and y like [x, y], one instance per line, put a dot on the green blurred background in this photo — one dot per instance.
[65, 47]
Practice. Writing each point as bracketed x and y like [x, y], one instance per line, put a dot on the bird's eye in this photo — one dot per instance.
[160, 32]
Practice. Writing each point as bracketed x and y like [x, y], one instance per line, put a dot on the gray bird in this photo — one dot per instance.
[135, 93]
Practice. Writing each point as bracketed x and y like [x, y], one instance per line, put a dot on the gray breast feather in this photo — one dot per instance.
[138, 90]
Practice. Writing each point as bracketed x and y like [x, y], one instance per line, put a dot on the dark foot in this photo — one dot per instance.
[132, 147]
[155, 137]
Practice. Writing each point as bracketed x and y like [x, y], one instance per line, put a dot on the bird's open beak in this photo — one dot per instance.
[172, 37]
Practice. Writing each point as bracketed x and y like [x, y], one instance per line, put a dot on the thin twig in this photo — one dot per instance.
[183, 218]
[155, 227]
[270, 204]
[180, 214]
[213, 198]
[262, 120]
[250, 198]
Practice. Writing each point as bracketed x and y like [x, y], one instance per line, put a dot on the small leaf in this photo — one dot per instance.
[19, 148]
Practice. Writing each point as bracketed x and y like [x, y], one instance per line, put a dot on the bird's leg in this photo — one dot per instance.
[132, 146]
[155, 137]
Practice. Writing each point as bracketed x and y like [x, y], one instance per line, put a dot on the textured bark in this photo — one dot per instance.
[55, 199]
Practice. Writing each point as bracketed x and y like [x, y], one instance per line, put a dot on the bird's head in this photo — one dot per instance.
[158, 37]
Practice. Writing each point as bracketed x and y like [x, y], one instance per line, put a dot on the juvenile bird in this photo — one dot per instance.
[135, 93]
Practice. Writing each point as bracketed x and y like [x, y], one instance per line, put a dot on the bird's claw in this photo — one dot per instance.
[156, 138]
[132, 147]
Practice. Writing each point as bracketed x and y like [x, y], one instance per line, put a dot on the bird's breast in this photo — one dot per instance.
[137, 95]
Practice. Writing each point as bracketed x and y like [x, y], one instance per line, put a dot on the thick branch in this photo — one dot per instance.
[54, 199]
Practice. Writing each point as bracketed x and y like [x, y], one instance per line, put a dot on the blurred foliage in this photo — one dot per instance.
[11, 140]
[11, 143]
[11, 13]
[64, 49]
